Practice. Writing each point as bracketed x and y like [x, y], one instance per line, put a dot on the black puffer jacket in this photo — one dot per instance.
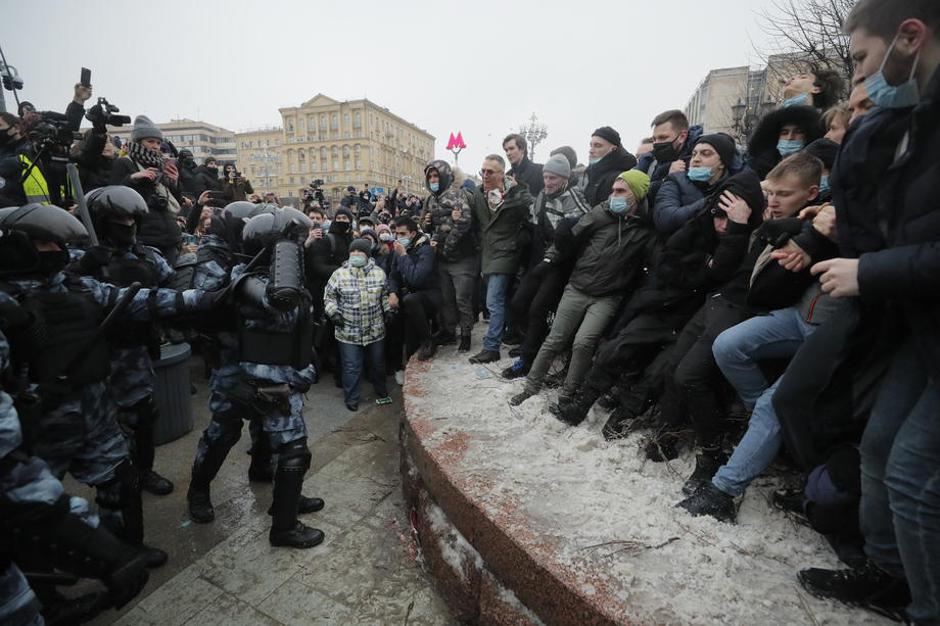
[598, 179]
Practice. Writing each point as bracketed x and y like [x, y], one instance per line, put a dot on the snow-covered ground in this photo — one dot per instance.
[607, 514]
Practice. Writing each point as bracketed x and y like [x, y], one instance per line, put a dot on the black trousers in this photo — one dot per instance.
[695, 387]
[417, 310]
[535, 298]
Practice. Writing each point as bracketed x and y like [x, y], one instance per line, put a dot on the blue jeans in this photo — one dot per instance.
[496, 287]
[737, 351]
[900, 507]
[352, 357]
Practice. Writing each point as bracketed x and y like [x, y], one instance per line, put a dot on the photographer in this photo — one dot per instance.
[187, 167]
[94, 153]
[207, 176]
[17, 157]
[235, 186]
[150, 174]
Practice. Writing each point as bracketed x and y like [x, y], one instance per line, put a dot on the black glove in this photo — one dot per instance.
[93, 260]
[338, 320]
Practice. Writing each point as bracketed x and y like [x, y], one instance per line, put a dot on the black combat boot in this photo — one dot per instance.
[710, 500]
[286, 530]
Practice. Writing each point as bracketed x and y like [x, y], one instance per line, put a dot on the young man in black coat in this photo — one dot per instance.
[896, 44]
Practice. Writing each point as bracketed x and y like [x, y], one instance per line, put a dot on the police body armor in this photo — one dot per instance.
[60, 346]
[123, 272]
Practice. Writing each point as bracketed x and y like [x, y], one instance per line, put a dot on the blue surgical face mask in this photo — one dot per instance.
[434, 187]
[358, 260]
[801, 99]
[786, 147]
[404, 241]
[619, 205]
[824, 184]
[700, 174]
[892, 96]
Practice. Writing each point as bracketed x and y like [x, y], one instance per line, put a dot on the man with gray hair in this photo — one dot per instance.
[501, 207]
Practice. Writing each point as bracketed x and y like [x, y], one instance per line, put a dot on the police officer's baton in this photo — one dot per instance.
[75, 182]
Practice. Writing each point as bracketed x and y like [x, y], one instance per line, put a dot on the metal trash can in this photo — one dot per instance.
[171, 392]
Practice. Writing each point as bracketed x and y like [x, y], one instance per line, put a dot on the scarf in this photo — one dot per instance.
[145, 157]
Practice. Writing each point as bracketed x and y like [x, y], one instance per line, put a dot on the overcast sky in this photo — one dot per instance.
[480, 67]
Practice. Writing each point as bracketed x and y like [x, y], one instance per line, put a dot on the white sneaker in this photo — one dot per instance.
[400, 377]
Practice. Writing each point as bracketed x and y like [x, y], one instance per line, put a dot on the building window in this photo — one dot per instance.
[357, 119]
[334, 121]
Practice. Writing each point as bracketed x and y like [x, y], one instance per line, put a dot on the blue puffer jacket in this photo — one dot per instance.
[659, 171]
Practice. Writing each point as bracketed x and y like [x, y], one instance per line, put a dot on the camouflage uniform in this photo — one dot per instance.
[78, 432]
[458, 262]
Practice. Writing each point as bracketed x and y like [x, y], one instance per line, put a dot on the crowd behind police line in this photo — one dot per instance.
[745, 304]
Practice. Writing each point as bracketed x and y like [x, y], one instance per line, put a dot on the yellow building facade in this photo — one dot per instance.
[355, 142]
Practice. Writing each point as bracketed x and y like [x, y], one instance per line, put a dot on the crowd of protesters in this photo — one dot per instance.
[729, 301]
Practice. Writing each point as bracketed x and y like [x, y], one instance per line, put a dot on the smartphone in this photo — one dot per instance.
[85, 80]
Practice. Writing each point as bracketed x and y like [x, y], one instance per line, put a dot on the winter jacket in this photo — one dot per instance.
[529, 174]
[762, 154]
[610, 250]
[500, 229]
[455, 240]
[416, 270]
[236, 191]
[206, 179]
[188, 183]
[547, 214]
[906, 272]
[94, 169]
[12, 170]
[326, 255]
[658, 172]
[598, 179]
[158, 227]
[360, 296]
[679, 199]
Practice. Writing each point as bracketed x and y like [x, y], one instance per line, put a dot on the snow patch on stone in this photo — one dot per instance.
[455, 550]
[508, 597]
[610, 513]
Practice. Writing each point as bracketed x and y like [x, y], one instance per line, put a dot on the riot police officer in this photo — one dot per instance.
[64, 361]
[116, 212]
[268, 376]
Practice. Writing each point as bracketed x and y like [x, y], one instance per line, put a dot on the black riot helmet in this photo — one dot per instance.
[444, 173]
[232, 220]
[21, 228]
[111, 205]
[268, 228]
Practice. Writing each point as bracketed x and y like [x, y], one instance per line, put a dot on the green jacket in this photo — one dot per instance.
[499, 230]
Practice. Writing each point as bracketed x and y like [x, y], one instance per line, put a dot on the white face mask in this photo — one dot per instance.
[494, 198]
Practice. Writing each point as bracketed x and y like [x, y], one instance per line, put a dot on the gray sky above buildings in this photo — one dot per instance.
[482, 68]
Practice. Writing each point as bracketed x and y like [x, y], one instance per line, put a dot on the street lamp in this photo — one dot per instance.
[534, 133]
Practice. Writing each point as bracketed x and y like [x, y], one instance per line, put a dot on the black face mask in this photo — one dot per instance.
[665, 151]
[340, 228]
[120, 235]
[53, 262]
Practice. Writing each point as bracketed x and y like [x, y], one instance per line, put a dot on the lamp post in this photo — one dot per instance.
[534, 132]
[456, 144]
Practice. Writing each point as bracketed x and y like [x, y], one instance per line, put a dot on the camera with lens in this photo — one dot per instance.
[103, 114]
[52, 132]
[315, 192]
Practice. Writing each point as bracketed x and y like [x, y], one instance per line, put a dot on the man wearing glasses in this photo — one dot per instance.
[500, 208]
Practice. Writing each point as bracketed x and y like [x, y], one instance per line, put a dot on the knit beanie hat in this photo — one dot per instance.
[343, 211]
[638, 182]
[825, 150]
[723, 145]
[558, 165]
[608, 133]
[145, 129]
[361, 245]
[569, 153]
